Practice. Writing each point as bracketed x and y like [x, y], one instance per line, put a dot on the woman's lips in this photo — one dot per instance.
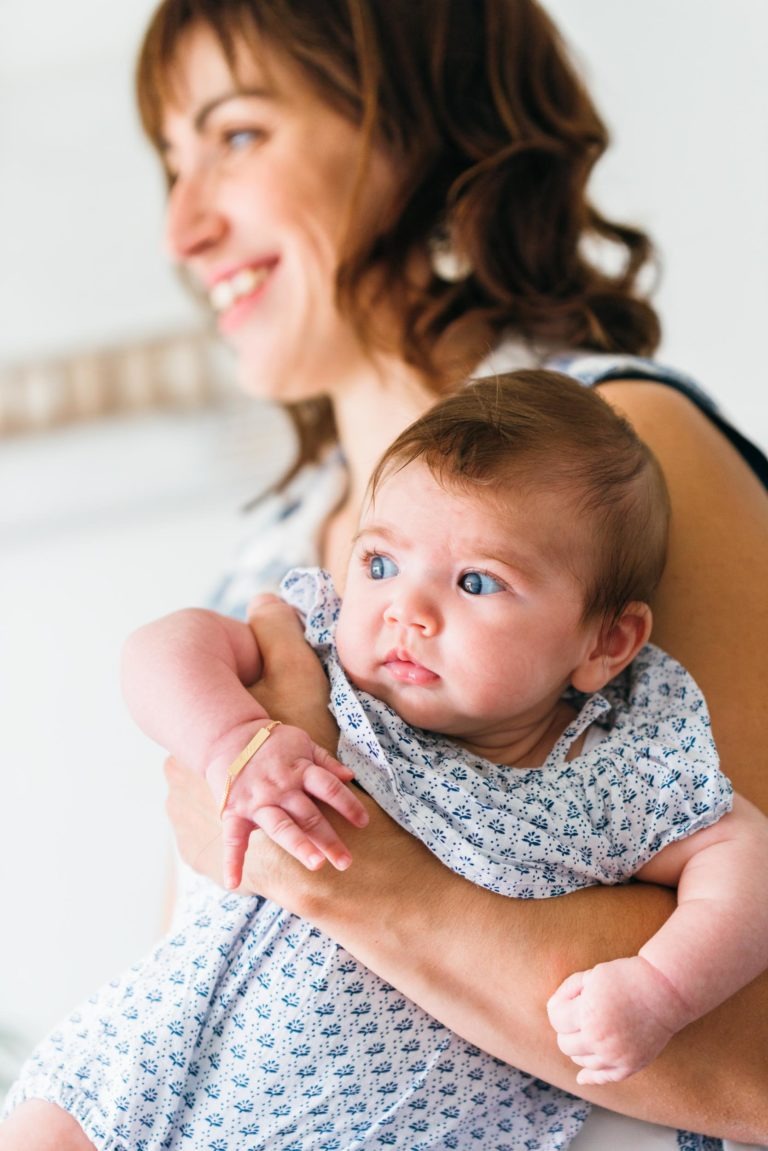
[231, 296]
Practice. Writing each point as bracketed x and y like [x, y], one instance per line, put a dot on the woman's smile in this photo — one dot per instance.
[230, 288]
[234, 297]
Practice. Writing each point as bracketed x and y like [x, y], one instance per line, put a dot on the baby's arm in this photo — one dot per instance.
[617, 1017]
[183, 679]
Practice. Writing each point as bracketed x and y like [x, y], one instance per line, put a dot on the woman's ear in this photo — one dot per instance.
[616, 645]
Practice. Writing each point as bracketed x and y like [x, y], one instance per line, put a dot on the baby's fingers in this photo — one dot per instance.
[326, 787]
[563, 1008]
[595, 1068]
[325, 760]
[597, 1078]
[301, 830]
[235, 833]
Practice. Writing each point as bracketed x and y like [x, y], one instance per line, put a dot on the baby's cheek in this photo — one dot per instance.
[350, 646]
[341, 638]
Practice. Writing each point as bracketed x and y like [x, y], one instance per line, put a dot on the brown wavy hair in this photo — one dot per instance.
[492, 133]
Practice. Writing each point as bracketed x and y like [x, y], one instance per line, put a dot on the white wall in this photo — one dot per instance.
[80, 193]
[684, 88]
[104, 527]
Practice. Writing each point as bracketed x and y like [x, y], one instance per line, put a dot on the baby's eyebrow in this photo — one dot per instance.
[380, 530]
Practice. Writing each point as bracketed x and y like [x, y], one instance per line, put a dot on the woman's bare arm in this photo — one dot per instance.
[486, 965]
[711, 612]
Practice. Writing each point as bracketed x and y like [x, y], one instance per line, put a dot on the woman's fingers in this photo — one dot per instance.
[192, 811]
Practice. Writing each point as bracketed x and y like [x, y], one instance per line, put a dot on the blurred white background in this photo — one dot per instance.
[105, 525]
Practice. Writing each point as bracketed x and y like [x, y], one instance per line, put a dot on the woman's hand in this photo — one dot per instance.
[192, 811]
[293, 686]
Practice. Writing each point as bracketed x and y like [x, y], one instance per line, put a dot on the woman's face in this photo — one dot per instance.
[262, 178]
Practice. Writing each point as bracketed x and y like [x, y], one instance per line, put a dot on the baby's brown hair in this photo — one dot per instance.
[539, 430]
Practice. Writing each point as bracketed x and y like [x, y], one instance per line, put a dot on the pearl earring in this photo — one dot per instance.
[446, 263]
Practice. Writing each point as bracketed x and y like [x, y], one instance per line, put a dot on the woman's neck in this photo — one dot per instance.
[369, 414]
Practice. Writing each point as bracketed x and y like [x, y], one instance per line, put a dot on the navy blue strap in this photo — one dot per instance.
[598, 368]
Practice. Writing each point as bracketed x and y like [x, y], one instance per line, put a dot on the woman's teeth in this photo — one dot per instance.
[227, 292]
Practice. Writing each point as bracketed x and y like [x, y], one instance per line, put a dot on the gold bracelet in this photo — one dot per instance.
[245, 756]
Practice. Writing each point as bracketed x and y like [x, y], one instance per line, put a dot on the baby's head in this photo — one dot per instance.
[535, 431]
[509, 546]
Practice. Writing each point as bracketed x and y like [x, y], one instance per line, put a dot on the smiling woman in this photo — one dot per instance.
[263, 178]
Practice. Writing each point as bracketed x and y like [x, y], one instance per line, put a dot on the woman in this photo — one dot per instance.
[375, 197]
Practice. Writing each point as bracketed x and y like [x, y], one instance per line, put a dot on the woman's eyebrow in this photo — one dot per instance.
[210, 106]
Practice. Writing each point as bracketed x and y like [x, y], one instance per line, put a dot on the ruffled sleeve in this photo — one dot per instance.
[655, 778]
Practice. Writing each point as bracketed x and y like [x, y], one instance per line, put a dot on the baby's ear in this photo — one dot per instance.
[616, 645]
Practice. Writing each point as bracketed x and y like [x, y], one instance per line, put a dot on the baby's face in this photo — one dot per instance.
[461, 613]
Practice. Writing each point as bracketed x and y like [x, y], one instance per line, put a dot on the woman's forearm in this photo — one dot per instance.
[485, 966]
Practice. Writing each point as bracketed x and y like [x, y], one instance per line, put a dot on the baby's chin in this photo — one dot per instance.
[415, 704]
[416, 712]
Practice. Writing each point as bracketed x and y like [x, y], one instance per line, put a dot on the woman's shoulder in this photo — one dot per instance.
[673, 395]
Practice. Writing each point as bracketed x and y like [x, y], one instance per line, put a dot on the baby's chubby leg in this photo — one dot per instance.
[36, 1125]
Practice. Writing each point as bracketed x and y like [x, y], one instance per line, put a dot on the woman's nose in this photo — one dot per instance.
[193, 223]
[413, 609]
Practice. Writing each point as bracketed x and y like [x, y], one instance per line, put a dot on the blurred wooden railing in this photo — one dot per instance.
[180, 370]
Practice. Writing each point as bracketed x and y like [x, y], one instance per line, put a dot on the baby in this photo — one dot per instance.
[498, 594]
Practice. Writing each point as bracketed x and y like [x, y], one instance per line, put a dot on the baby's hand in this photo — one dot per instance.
[273, 792]
[615, 1018]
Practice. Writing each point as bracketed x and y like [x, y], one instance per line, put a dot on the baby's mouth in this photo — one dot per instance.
[403, 668]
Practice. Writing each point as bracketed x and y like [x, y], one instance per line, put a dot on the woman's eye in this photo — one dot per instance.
[480, 583]
[242, 138]
[380, 567]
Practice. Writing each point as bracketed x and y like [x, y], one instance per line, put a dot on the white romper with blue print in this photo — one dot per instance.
[247, 1029]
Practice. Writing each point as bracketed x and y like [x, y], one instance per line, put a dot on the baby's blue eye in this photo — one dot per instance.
[381, 567]
[479, 583]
